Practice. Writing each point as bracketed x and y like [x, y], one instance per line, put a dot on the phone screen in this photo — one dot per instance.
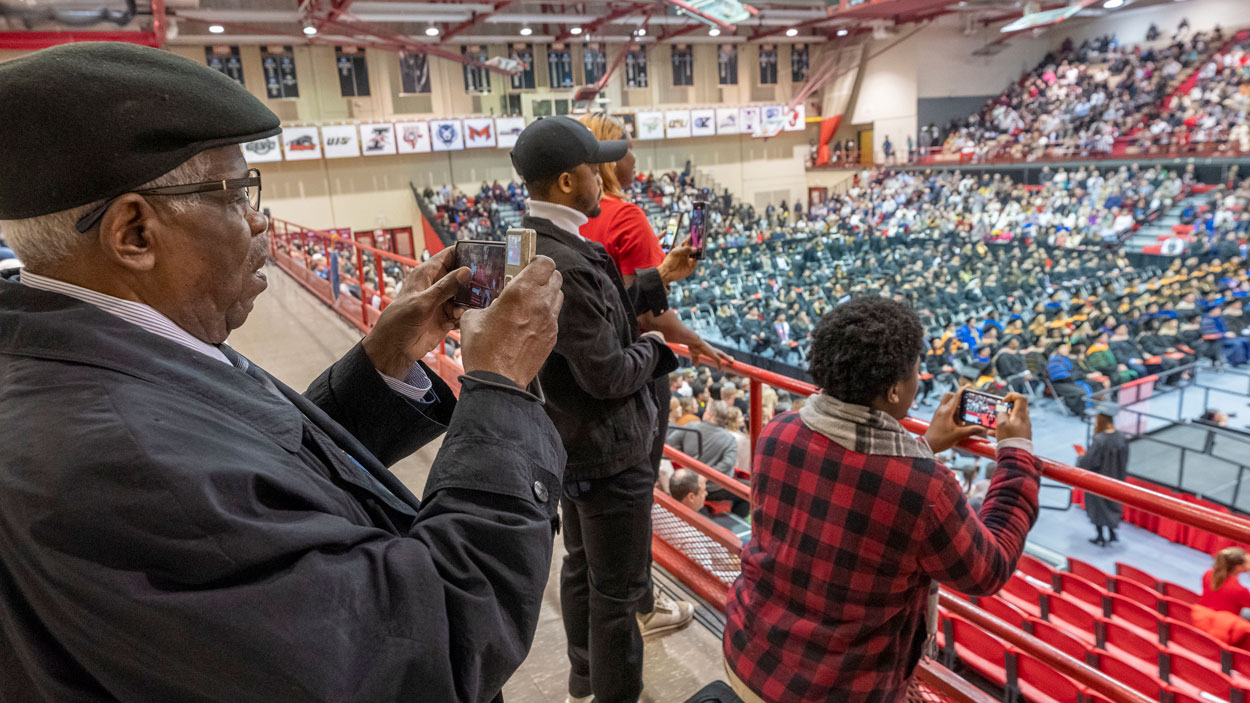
[486, 268]
[976, 408]
[697, 227]
[669, 240]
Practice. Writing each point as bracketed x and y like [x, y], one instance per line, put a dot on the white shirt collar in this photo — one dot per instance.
[138, 314]
[566, 218]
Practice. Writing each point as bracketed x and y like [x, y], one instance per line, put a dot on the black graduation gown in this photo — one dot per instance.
[1107, 455]
[172, 530]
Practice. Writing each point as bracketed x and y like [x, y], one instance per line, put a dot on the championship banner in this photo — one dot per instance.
[301, 143]
[340, 141]
[278, 63]
[772, 118]
[507, 129]
[650, 125]
[414, 137]
[749, 120]
[795, 119]
[446, 135]
[479, 132]
[677, 124]
[377, 139]
[703, 123]
[262, 150]
[728, 120]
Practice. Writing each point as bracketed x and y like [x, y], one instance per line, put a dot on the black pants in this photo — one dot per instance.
[606, 580]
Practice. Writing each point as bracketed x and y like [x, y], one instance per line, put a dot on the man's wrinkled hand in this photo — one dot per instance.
[419, 317]
[514, 336]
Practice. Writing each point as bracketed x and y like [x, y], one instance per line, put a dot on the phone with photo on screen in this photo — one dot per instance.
[698, 226]
[492, 265]
[669, 239]
[977, 408]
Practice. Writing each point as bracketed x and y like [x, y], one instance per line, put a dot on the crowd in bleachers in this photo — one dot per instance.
[484, 215]
[1085, 99]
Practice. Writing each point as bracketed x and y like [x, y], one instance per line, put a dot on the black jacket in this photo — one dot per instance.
[599, 379]
[171, 530]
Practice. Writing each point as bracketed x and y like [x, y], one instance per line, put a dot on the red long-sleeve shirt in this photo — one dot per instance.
[1230, 597]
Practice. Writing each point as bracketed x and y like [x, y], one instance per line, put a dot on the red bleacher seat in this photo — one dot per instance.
[1134, 591]
[1057, 637]
[1134, 574]
[1023, 595]
[1003, 610]
[1129, 645]
[1089, 572]
[981, 652]
[1040, 683]
[1034, 567]
[1237, 666]
[1187, 639]
[1134, 616]
[1179, 611]
[1072, 618]
[1180, 593]
[1084, 593]
[1188, 675]
[1129, 675]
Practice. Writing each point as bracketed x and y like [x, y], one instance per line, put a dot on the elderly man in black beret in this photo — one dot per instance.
[177, 525]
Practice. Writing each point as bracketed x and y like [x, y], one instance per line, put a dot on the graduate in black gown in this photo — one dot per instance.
[1107, 455]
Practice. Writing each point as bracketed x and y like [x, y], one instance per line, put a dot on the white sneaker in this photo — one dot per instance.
[667, 616]
[584, 699]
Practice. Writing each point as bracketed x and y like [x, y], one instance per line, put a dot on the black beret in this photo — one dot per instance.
[90, 121]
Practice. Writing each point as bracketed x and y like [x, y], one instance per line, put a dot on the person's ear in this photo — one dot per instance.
[129, 233]
[565, 182]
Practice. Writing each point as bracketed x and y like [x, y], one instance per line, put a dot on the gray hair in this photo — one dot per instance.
[44, 241]
[719, 411]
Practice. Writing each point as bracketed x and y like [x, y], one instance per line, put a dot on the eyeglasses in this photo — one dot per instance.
[250, 186]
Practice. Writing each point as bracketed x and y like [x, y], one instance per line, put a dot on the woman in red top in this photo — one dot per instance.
[1218, 612]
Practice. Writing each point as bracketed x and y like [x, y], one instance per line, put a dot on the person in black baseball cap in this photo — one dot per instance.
[554, 157]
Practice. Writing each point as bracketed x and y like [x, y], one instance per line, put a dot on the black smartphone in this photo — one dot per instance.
[486, 262]
[977, 408]
[669, 239]
[698, 226]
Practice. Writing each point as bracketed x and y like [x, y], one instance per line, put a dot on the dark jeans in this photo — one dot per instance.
[606, 580]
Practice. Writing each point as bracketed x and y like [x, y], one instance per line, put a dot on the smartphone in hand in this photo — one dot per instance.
[669, 239]
[977, 408]
[698, 228]
[492, 265]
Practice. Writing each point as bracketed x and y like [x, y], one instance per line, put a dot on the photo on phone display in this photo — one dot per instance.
[698, 225]
[669, 239]
[486, 272]
[977, 408]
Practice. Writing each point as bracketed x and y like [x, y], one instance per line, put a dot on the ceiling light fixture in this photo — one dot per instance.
[1112, 4]
[641, 32]
[526, 31]
[216, 29]
[310, 30]
[713, 32]
[842, 32]
[575, 30]
[792, 32]
[431, 31]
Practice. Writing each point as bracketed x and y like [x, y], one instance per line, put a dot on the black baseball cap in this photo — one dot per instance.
[553, 145]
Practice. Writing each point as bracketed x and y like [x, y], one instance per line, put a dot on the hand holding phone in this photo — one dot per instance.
[977, 408]
[492, 265]
[669, 239]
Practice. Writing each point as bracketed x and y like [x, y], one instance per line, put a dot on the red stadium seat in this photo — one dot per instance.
[1237, 666]
[1072, 618]
[1134, 616]
[1023, 595]
[1188, 675]
[1035, 568]
[1086, 594]
[1134, 574]
[1128, 674]
[1089, 572]
[1179, 593]
[1058, 638]
[1128, 644]
[1177, 610]
[981, 652]
[1134, 591]
[1040, 683]
[1002, 610]
[1187, 639]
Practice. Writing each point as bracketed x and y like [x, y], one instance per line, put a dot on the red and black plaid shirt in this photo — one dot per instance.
[831, 602]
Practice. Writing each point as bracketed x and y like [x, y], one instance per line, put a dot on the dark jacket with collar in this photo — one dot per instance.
[172, 530]
[599, 380]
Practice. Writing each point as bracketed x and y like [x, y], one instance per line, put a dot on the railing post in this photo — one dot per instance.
[377, 260]
[360, 276]
[757, 416]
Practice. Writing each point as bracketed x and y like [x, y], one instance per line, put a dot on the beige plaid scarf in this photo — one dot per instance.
[867, 431]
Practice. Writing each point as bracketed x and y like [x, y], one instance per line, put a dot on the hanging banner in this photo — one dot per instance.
[727, 64]
[340, 141]
[650, 125]
[301, 143]
[507, 129]
[796, 119]
[727, 120]
[771, 119]
[749, 120]
[414, 74]
[677, 124]
[262, 150]
[279, 65]
[702, 123]
[414, 137]
[225, 60]
[479, 132]
[353, 71]
[446, 135]
[377, 139]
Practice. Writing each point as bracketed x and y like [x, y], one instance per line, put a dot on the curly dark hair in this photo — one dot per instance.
[864, 346]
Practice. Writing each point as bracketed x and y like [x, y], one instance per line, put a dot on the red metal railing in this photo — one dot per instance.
[704, 571]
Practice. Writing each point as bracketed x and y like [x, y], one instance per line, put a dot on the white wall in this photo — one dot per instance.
[888, 89]
[1130, 23]
[949, 69]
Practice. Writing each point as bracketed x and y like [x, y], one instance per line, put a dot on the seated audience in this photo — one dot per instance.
[1218, 610]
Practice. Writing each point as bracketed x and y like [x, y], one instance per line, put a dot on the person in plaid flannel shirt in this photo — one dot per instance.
[854, 522]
